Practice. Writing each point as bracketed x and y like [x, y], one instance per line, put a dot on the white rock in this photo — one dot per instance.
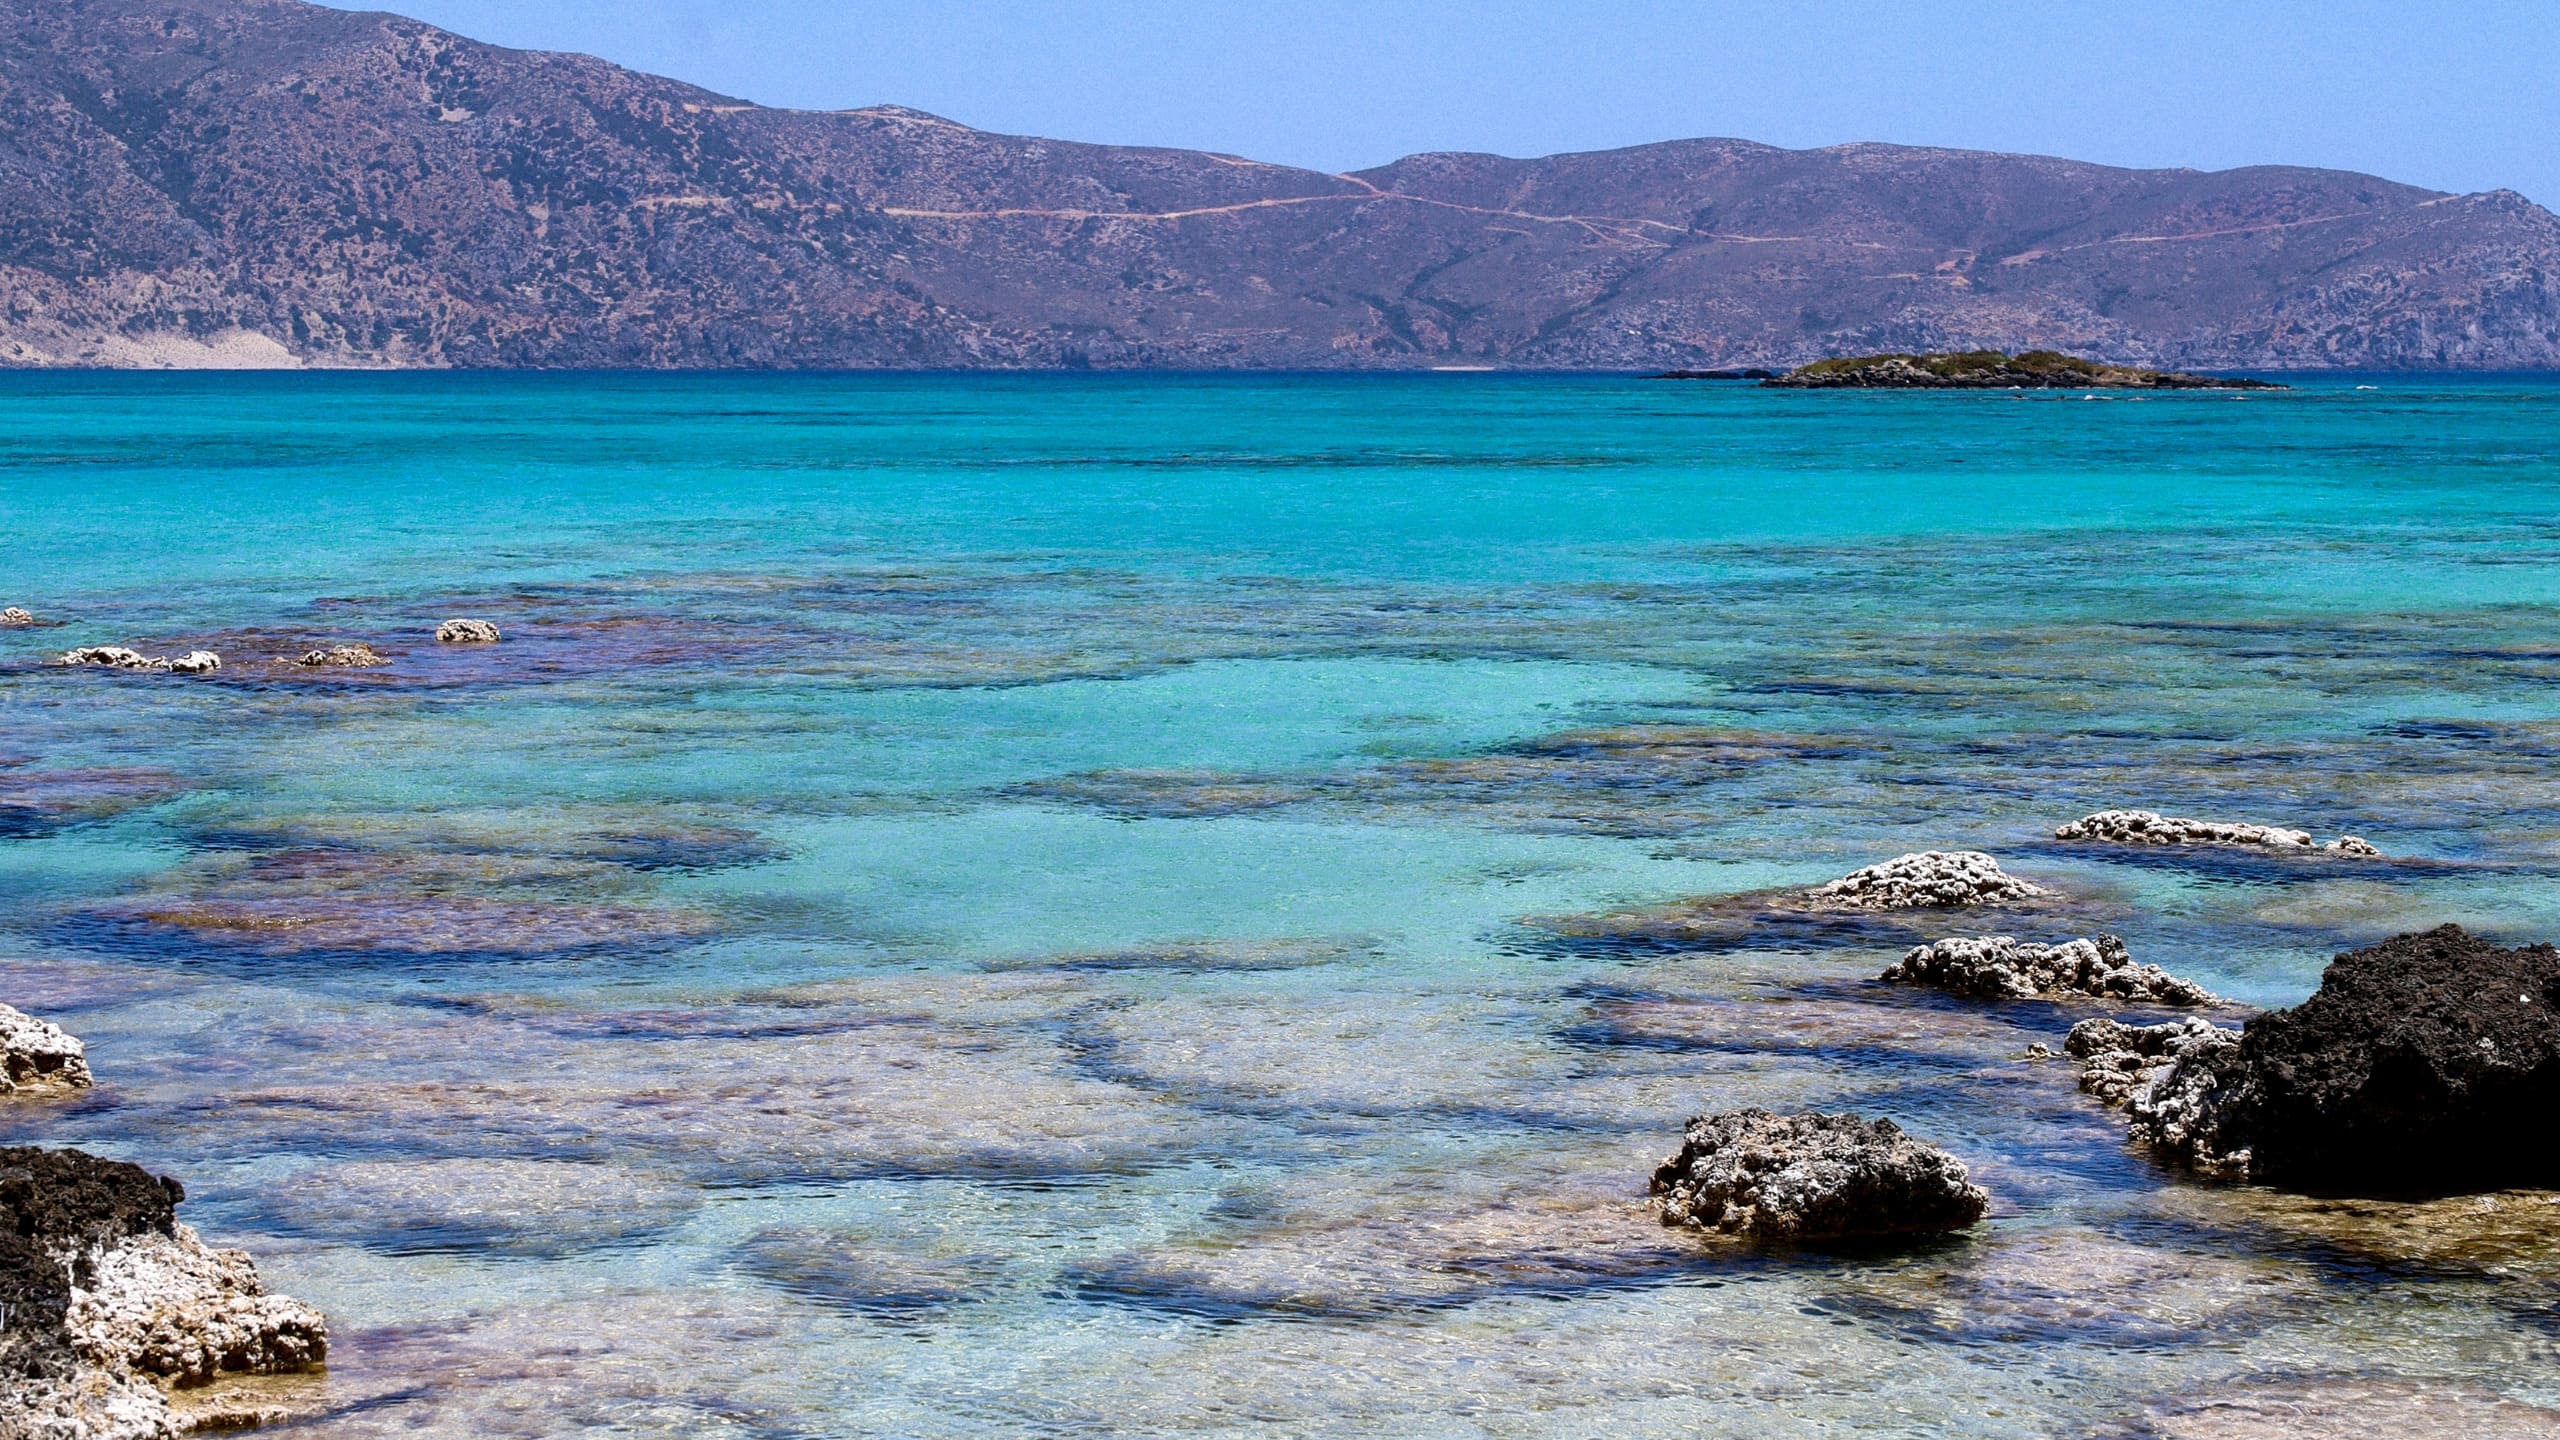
[117, 657]
[172, 1307]
[113, 656]
[1940, 879]
[2003, 967]
[38, 1055]
[467, 632]
[2145, 827]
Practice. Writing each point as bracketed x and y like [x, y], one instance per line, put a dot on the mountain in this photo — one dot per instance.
[266, 181]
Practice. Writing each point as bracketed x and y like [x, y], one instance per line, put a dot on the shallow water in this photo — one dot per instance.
[1131, 905]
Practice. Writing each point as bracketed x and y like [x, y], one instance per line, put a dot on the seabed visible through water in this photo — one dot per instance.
[1100, 906]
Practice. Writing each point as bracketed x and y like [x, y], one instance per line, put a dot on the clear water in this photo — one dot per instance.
[1031, 905]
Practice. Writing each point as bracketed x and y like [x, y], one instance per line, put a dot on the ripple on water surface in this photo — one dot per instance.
[962, 907]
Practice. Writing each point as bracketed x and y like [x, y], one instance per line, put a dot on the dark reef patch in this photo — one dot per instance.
[35, 803]
[373, 929]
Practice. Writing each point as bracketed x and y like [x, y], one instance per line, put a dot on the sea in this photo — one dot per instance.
[1097, 905]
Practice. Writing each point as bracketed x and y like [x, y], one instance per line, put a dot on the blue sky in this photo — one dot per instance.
[2460, 97]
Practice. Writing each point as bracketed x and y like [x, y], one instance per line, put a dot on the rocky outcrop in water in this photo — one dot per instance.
[2002, 967]
[38, 1056]
[1930, 879]
[107, 1303]
[2427, 1064]
[340, 657]
[467, 632]
[117, 657]
[2118, 1060]
[1992, 370]
[14, 618]
[2172, 1080]
[1764, 1176]
[2144, 827]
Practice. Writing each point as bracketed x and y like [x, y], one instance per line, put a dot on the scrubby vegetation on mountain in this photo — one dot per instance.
[270, 182]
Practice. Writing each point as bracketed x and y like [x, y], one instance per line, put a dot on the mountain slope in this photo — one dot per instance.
[203, 181]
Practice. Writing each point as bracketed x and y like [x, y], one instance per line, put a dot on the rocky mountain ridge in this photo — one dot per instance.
[270, 182]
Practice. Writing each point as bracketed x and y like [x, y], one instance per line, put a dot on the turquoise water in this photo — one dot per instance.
[1119, 905]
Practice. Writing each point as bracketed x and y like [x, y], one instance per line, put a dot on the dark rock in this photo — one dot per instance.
[2427, 1063]
[2001, 967]
[1766, 1176]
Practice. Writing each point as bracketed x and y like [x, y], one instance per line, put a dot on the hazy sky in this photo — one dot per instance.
[2456, 96]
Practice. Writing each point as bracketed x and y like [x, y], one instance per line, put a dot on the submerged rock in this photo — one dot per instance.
[856, 1274]
[1936, 879]
[514, 1207]
[467, 632]
[340, 657]
[118, 657]
[2144, 827]
[2427, 1064]
[107, 1303]
[2348, 1407]
[36, 1055]
[14, 618]
[1767, 1176]
[2002, 967]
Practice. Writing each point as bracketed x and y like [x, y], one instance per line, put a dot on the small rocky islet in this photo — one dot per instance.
[1992, 370]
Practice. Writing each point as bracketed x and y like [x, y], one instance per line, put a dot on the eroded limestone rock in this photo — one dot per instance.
[14, 618]
[36, 1055]
[2117, 1059]
[2002, 967]
[118, 657]
[2145, 827]
[340, 657]
[1757, 1174]
[1934, 879]
[467, 632]
[107, 1303]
